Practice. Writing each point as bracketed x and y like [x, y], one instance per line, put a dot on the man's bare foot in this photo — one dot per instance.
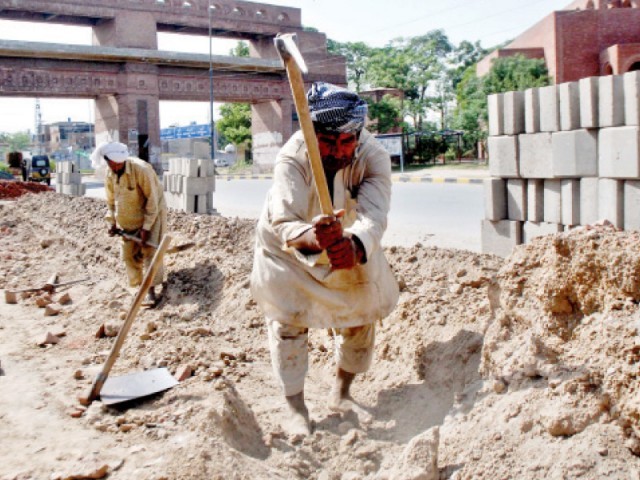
[151, 300]
[298, 423]
[340, 397]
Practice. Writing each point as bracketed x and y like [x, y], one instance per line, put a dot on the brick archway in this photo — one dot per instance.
[127, 76]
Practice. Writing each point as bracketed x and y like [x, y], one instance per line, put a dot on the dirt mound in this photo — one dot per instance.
[11, 190]
[524, 368]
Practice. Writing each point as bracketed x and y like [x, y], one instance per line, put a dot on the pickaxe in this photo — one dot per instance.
[295, 66]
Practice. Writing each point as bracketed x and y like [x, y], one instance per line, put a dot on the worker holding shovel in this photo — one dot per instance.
[136, 207]
[313, 270]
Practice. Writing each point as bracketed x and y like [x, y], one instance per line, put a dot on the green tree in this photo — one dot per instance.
[240, 50]
[357, 55]
[507, 74]
[385, 114]
[16, 141]
[412, 65]
[235, 122]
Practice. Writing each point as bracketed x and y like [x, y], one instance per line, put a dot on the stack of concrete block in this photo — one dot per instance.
[562, 156]
[69, 179]
[189, 185]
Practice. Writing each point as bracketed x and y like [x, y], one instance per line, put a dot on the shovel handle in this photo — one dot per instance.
[131, 315]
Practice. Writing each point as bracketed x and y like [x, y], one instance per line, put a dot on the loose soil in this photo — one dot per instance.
[524, 368]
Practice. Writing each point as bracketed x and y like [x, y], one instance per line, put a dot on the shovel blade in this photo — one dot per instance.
[136, 385]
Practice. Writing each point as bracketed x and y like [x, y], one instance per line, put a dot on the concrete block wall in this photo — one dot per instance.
[562, 156]
[189, 185]
[69, 179]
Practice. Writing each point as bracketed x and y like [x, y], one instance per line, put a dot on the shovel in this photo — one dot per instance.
[136, 385]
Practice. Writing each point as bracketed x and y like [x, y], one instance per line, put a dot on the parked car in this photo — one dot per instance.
[221, 162]
[38, 169]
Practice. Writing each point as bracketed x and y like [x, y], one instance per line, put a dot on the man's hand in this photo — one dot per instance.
[144, 236]
[345, 254]
[328, 229]
[113, 230]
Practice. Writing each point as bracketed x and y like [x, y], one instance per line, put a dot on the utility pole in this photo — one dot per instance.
[211, 122]
[38, 126]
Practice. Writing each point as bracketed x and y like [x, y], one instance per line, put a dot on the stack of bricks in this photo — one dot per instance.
[562, 156]
[189, 185]
[69, 179]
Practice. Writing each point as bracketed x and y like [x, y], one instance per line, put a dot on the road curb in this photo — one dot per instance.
[394, 178]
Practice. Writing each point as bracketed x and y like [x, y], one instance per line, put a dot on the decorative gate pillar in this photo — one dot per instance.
[133, 115]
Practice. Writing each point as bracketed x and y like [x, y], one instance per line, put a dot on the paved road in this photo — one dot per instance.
[439, 214]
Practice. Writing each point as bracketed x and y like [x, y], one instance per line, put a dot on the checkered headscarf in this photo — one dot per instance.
[335, 109]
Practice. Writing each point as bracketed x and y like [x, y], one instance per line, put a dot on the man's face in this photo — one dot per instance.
[114, 166]
[337, 149]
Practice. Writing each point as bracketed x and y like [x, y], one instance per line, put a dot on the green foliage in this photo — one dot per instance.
[515, 73]
[4, 167]
[240, 50]
[385, 113]
[235, 122]
[412, 65]
[17, 142]
[507, 74]
[358, 56]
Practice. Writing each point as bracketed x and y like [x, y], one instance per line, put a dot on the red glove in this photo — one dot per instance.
[327, 230]
[344, 254]
[144, 236]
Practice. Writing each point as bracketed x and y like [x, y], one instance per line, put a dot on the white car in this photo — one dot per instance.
[221, 162]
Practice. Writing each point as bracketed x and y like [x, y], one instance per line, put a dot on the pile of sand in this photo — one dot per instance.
[524, 368]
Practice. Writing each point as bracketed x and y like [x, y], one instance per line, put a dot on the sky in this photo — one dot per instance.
[370, 21]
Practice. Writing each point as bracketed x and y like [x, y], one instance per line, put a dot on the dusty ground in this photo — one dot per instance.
[488, 369]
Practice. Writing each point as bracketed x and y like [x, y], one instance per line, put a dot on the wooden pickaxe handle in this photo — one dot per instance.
[294, 64]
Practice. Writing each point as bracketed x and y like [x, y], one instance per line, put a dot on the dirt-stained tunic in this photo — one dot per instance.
[136, 201]
[296, 289]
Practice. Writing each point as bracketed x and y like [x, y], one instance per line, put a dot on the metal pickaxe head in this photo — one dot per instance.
[287, 49]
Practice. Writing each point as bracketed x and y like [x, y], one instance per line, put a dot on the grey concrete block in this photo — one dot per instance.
[611, 101]
[536, 155]
[499, 238]
[531, 230]
[503, 156]
[516, 199]
[631, 81]
[570, 191]
[513, 113]
[532, 110]
[589, 212]
[58, 188]
[72, 189]
[549, 109]
[569, 94]
[575, 153]
[188, 203]
[589, 117]
[190, 167]
[495, 199]
[495, 106]
[632, 205]
[70, 178]
[201, 204]
[553, 201]
[535, 200]
[197, 185]
[611, 201]
[619, 152]
[207, 168]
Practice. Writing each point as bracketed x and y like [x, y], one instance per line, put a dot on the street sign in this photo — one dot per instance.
[190, 131]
